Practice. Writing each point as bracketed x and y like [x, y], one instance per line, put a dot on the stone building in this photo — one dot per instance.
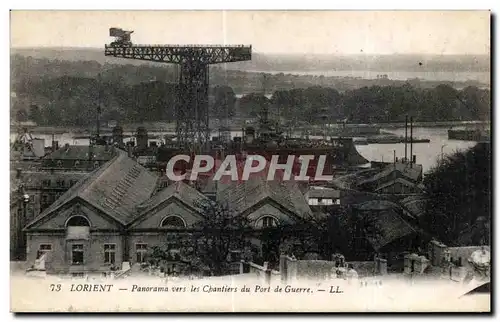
[111, 218]
[85, 229]
[78, 157]
[47, 180]
[397, 178]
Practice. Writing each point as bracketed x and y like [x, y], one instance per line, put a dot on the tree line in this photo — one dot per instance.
[374, 104]
[74, 100]
[71, 101]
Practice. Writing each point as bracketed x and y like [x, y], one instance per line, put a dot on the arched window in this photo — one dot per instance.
[267, 221]
[78, 221]
[173, 222]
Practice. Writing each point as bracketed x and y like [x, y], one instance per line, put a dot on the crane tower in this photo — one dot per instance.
[192, 107]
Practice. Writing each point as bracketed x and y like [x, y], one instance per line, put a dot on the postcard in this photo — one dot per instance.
[250, 161]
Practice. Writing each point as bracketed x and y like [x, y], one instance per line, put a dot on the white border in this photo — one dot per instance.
[214, 4]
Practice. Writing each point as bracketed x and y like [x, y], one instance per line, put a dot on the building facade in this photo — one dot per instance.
[112, 217]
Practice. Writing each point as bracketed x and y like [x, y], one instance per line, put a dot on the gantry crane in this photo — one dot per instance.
[192, 107]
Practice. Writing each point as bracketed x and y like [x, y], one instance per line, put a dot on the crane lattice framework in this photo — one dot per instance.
[192, 108]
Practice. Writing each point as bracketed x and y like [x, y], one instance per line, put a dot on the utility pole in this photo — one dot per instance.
[411, 141]
[98, 110]
[406, 138]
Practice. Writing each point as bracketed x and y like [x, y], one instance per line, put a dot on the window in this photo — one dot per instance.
[109, 253]
[313, 202]
[72, 182]
[78, 221]
[46, 183]
[140, 250]
[77, 163]
[173, 222]
[60, 183]
[268, 221]
[77, 254]
[96, 164]
[79, 275]
[42, 249]
[59, 164]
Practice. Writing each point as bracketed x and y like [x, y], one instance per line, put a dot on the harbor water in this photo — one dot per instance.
[427, 153]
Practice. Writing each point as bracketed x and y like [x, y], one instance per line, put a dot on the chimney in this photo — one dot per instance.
[118, 135]
[129, 151]
[91, 152]
[415, 159]
[55, 145]
[142, 138]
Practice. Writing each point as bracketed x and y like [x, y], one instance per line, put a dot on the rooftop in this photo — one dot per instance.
[81, 152]
[116, 188]
[243, 195]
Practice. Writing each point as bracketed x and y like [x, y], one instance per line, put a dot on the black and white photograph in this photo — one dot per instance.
[250, 161]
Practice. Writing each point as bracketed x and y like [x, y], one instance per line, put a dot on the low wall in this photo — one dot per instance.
[263, 274]
[314, 269]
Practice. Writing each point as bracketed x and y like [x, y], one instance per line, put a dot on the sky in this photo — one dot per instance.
[296, 32]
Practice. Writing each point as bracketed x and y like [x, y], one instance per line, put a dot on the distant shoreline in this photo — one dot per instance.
[170, 127]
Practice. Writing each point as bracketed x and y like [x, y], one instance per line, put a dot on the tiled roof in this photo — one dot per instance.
[180, 190]
[241, 196]
[384, 224]
[414, 173]
[323, 193]
[81, 152]
[116, 188]
[402, 181]
[414, 204]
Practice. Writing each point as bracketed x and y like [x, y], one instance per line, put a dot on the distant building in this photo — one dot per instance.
[396, 178]
[319, 196]
[383, 228]
[33, 192]
[78, 157]
[44, 179]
